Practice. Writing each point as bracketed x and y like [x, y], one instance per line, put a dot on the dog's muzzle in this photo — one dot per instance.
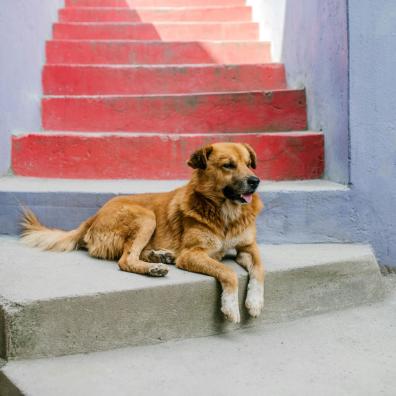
[243, 190]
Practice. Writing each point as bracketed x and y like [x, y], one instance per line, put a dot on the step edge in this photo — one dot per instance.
[160, 7]
[162, 66]
[19, 184]
[142, 23]
[157, 42]
[165, 135]
[361, 254]
[209, 93]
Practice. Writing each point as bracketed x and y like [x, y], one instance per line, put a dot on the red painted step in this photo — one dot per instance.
[151, 3]
[140, 80]
[156, 52]
[282, 110]
[281, 156]
[198, 14]
[159, 31]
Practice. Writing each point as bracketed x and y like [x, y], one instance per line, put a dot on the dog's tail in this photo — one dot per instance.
[34, 234]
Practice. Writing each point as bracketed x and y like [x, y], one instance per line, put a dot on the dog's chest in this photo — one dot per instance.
[229, 242]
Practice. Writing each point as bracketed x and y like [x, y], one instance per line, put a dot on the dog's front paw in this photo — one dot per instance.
[158, 270]
[230, 307]
[162, 256]
[255, 298]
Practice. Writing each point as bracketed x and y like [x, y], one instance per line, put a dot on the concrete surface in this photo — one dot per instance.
[344, 353]
[34, 185]
[24, 27]
[312, 211]
[63, 303]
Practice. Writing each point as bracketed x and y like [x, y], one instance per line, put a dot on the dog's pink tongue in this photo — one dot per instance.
[247, 197]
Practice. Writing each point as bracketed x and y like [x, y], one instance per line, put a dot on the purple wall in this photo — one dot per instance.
[24, 27]
[310, 37]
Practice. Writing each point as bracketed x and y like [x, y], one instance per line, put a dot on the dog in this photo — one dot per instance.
[193, 226]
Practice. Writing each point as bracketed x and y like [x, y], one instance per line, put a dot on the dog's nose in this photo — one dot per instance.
[253, 181]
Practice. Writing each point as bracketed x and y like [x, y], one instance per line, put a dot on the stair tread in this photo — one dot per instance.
[344, 353]
[160, 42]
[53, 299]
[63, 275]
[176, 95]
[175, 23]
[126, 186]
[164, 66]
[160, 8]
[123, 3]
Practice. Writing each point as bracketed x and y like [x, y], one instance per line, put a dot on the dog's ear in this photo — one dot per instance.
[199, 158]
[253, 156]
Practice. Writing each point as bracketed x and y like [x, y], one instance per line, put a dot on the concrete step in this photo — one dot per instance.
[294, 212]
[349, 352]
[57, 303]
[156, 52]
[187, 14]
[141, 80]
[260, 111]
[151, 3]
[163, 31]
[282, 156]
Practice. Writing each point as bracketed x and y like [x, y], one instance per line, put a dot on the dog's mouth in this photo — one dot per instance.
[245, 197]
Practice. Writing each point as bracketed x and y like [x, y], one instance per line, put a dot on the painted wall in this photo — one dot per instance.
[24, 27]
[310, 38]
[372, 31]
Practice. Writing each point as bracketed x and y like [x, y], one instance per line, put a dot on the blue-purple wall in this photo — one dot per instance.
[372, 32]
[310, 37]
[24, 27]
[351, 96]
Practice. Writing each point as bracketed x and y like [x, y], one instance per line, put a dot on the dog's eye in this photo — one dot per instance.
[229, 165]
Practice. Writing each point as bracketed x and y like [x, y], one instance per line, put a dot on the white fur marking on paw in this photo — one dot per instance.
[255, 298]
[230, 306]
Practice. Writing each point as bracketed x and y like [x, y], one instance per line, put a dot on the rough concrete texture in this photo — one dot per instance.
[295, 212]
[58, 303]
[347, 353]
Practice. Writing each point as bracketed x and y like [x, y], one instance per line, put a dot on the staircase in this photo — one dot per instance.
[131, 88]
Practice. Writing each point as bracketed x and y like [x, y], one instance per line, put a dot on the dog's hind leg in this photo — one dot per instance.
[133, 247]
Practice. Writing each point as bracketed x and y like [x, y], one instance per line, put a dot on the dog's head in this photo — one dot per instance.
[226, 170]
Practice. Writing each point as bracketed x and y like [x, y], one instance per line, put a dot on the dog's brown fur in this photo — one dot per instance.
[192, 226]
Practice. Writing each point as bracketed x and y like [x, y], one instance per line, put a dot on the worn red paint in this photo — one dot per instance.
[151, 3]
[280, 156]
[226, 112]
[159, 89]
[138, 80]
[158, 31]
[156, 52]
[201, 14]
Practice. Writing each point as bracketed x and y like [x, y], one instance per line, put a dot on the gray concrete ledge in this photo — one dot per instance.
[311, 211]
[349, 352]
[65, 303]
[123, 186]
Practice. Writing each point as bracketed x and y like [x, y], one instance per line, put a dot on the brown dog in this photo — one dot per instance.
[192, 226]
